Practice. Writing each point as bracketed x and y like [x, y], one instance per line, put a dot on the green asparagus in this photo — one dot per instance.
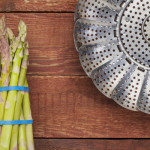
[12, 95]
[14, 105]
[22, 135]
[28, 116]
[20, 94]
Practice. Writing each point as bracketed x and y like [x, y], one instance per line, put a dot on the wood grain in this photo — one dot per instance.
[91, 144]
[52, 50]
[38, 5]
[65, 103]
[71, 107]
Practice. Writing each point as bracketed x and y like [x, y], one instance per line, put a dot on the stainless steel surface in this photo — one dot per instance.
[112, 38]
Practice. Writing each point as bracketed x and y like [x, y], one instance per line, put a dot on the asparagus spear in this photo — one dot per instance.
[10, 35]
[14, 42]
[28, 116]
[12, 95]
[2, 45]
[5, 73]
[2, 33]
[22, 30]
[5, 63]
[11, 39]
[22, 135]
[3, 25]
[11, 100]
[20, 95]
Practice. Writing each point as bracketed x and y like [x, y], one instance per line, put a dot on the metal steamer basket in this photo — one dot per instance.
[112, 38]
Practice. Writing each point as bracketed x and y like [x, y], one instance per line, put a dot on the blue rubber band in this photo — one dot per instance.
[16, 122]
[14, 88]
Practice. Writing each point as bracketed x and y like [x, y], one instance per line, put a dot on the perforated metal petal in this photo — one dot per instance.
[127, 92]
[101, 10]
[107, 77]
[112, 38]
[94, 56]
[144, 99]
[90, 32]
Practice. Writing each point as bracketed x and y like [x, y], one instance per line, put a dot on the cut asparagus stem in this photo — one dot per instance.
[28, 116]
[20, 95]
[22, 135]
[12, 95]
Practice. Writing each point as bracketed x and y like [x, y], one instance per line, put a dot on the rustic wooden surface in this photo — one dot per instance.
[88, 144]
[50, 35]
[38, 5]
[71, 107]
[65, 103]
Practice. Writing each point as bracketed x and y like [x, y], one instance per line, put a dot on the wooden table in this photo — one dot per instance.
[68, 111]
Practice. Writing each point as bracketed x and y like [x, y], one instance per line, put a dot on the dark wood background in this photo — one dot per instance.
[68, 111]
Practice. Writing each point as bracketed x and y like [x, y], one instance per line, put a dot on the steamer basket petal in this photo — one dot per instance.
[112, 38]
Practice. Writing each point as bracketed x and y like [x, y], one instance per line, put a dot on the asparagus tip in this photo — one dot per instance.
[10, 34]
[22, 30]
[22, 27]
[3, 19]
[3, 25]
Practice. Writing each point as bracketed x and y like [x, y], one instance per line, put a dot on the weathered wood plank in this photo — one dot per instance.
[71, 107]
[38, 5]
[91, 144]
[52, 50]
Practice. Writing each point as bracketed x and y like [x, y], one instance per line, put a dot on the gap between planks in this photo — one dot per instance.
[94, 144]
[45, 12]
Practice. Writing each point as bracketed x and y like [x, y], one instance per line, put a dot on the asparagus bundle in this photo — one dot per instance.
[14, 105]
